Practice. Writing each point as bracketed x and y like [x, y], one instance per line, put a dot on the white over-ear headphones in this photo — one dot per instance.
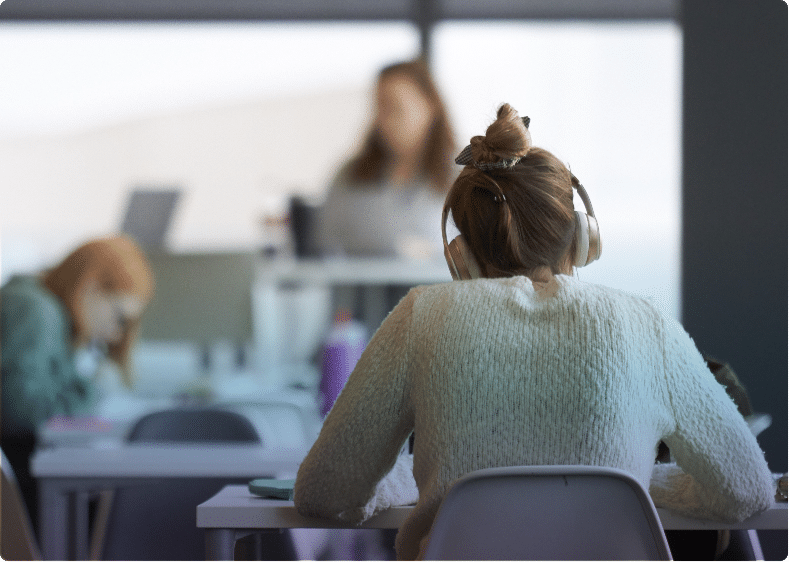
[588, 245]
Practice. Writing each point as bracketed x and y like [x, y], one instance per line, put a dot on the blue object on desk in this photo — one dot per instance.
[272, 489]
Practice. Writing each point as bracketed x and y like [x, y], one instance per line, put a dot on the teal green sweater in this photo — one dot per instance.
[39, 378]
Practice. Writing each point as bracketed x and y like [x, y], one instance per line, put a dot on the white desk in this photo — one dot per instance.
[68, 475]
[86, 455]
[352, 271]
[286, 416]
[286, 334]
[235, 512]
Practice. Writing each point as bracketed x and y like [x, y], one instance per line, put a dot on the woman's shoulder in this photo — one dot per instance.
[604, 294]
[567, 290]
[486, 293]
[636, 312]
[343, 176]
[26, 298]
[345, 179]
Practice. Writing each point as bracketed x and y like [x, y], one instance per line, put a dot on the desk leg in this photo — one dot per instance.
[220, 544]
[79, 525]
[756, 546]
[53, 520]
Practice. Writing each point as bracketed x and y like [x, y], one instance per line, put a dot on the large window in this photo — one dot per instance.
[242, 115]
[605, 99]
[238, 115]
[66, 78]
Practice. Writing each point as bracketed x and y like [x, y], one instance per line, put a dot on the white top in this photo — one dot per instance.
[381, 219]
[500, 372]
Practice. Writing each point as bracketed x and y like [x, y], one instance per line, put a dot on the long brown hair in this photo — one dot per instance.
[439, 146]
[534, 224]
[117, 265]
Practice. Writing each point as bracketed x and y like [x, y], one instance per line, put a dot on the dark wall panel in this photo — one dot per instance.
[734, 263]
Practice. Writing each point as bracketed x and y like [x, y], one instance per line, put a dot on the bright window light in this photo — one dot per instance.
[227, 111]
[61, 77]
[605, 99]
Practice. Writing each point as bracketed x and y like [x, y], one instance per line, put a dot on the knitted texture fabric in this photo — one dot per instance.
[504, 372]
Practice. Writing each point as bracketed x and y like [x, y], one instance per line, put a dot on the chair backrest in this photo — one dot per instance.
[194, 426]
[547, 513]
[17, 541]
[157, 520]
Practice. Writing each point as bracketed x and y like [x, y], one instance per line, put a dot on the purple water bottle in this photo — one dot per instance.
[344, 346]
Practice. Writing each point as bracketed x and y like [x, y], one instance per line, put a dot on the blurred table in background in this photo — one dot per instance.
[218, 313]
[78, 457]
[292, 302]
[284, 417]
[68, 476]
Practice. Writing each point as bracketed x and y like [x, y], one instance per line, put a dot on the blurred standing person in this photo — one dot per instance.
[386, 201]
[92, 300]
[388, 198]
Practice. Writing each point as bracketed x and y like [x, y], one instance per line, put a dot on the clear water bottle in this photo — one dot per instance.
[344, 345]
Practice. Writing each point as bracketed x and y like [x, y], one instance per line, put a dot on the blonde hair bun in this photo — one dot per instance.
[505, 139]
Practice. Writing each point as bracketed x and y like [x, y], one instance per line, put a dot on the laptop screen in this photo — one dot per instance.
[148, 215]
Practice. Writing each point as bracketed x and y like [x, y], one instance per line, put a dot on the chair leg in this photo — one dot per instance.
[744, 545]
[724, 537]
[100, 525]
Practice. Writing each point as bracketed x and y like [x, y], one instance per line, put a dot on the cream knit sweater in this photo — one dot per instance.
[503, 372]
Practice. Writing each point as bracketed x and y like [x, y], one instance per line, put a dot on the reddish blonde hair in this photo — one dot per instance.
[117, 265]
[535, 226]
[439, 146]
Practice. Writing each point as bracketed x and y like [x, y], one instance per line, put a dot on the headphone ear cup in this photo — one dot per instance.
[587, 239]
[595, 243]
[462, 264]
[449, 250]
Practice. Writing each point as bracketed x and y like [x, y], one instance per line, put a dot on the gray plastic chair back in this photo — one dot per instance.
[547, 513]
[17, 541]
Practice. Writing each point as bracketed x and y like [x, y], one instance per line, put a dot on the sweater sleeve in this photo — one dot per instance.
[721, 472]
[355, 469]
[38, 374]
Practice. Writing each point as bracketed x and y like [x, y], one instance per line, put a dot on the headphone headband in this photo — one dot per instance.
[587, 236]
[585, 198]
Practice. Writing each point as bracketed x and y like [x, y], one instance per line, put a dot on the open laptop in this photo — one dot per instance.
[148, 215]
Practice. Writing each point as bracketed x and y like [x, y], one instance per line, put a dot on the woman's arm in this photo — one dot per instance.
[723, 471]
[38, 375]
[363, 435]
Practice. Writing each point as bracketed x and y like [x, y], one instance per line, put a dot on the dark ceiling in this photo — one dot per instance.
[283, 10]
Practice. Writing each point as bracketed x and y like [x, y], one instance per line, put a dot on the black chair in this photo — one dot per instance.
[202, 425]
[157, 521]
